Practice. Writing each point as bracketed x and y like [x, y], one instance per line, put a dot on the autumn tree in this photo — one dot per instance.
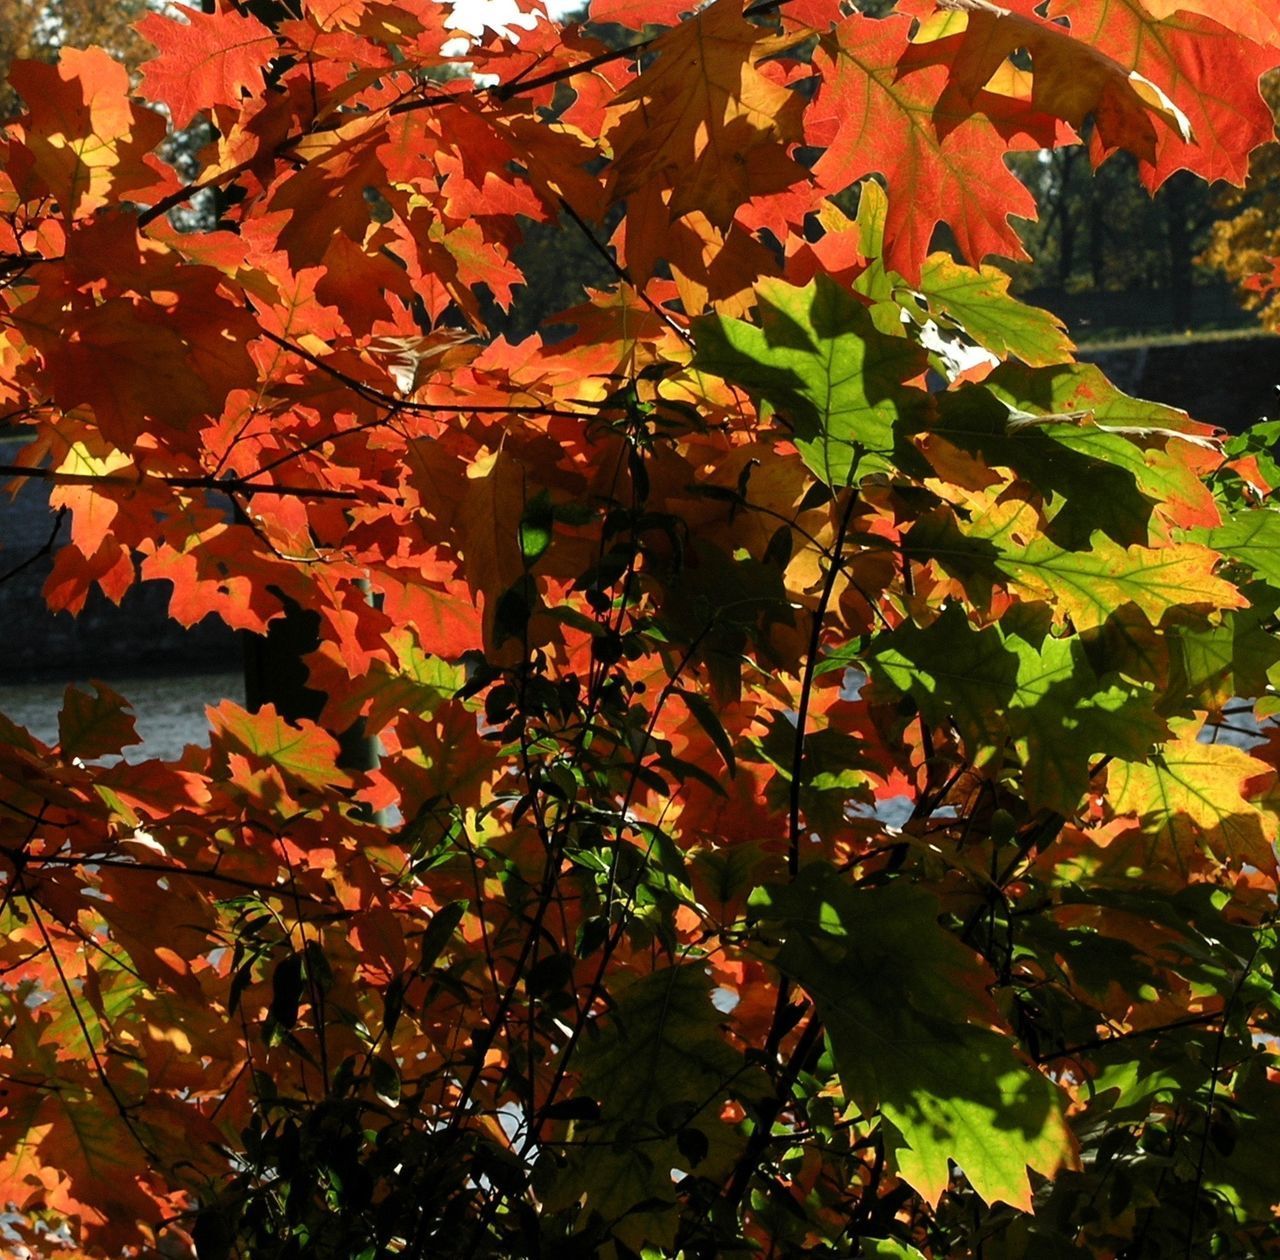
[1245, 240]
[828, 738]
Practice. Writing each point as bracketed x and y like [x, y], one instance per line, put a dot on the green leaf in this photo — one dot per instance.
[1091, 479]
[418, 682]
[905, 1008]
[1246, 1173]
[889, 1249]
[661, 1066]
[721, 603]
[386, 1078]
[1002, 543]
[663, 1047]
[1082, 389]
[286, 993]
[876, 282]
[1217, 664]
[536, 526]
[438, 933]
[819, 360]
[1078, 408]
[1259, 441]
[1252, 538]
[1040, 692]
[978, 301]
[834, 770]
[725, 873]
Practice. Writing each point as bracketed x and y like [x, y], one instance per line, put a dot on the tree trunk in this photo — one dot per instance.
[1066, 221]
[1178, 239]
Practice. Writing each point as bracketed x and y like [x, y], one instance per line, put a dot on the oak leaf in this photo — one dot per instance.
[97, 725]
[1250, 537]
[706, 120]
[1022, 685]
[819, 359]
[915, 1037]
[1210, 73]
[209, 59]
[87, 140]
[1255, 19]
[301, 750]
[873, 113]
[661, 1073]
[1071, 79]
[976, 303]
[1005, 541]
[1192, 794]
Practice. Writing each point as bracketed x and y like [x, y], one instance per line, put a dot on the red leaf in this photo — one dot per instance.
[208, 60]
[1258, 20]
[1210, 73]
[940, 167]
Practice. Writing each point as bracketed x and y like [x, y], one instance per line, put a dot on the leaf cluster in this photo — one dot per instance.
[827, 791]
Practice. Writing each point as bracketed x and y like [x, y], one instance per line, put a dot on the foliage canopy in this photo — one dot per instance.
[803, 690]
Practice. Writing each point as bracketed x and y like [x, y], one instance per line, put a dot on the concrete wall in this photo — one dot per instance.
[1231, 382]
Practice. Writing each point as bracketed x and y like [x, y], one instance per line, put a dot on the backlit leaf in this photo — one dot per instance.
[914, 1038]
[204, 60]
[1192, 794]
[820, 361]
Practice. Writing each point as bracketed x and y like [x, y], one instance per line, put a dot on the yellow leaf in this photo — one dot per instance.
[1191, 795]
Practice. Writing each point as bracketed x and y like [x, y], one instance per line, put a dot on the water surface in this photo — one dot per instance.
[168, 710]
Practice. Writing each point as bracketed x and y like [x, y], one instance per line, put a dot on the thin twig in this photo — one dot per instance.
[226, 485]
[806, 684]
[41, 552]
[173, 872]
[99, 1068]
[1099, 1043]
[1218, 1046]
[622, 273]
[371, 393]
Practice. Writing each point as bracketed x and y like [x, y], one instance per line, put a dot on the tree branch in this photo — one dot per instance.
[226, 485]
[45, 550]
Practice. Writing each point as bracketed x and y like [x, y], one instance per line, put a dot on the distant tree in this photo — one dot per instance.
[1247, 235]
[1102, 231]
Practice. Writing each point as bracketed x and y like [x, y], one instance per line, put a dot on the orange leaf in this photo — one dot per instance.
[705, 120]
[1193, 793]
[302, 750]
[87, 139]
